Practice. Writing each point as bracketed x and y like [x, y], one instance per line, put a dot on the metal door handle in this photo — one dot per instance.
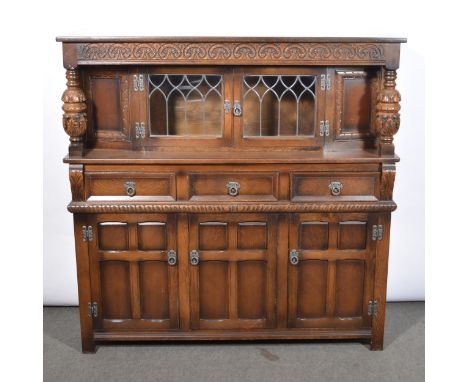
[172, 257]
[130, 188]
[194, 257]
[294, 257]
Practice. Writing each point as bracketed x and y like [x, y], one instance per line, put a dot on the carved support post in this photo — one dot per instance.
[76, 182]
[387, 120]
[387, 180]
[74, 116]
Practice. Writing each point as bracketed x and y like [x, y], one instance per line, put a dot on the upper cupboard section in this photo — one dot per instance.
[145, 108]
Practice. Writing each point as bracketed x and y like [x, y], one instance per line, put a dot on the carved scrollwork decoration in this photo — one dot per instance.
[74, 108]
[184, 52]
[387, 118]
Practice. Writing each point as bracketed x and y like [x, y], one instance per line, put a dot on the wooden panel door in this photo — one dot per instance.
[233, 268]
[331, 281]
[132, 281]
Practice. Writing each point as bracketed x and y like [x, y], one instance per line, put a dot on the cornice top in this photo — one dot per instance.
[176, 39]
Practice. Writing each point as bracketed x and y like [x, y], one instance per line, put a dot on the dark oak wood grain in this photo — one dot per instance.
[229, 188]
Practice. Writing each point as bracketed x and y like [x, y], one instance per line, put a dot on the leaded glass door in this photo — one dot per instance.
[279, 107]
[183, 106]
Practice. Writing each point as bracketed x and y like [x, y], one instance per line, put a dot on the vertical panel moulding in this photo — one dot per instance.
[271, 293]
[194, 273]
[292, 271]
[184, 268]
[182, 186]
[282, 251]
[232, 248]
[134, 272]
[283, 192]
[331, 284]
[173, 271]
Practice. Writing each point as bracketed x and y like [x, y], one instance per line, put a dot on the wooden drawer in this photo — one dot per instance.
[128, 186]
[334, 186]
[240, 186]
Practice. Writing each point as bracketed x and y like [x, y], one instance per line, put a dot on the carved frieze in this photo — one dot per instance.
[181, 52]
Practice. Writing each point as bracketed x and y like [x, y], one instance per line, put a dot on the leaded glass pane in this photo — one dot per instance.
[186, 104]
[279, 105]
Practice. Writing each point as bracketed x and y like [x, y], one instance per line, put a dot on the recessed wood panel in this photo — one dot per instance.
[252, 235]
[152, 236]
[212, 236]
[213, 289]
[352, 235]
[251, 289]
[113, 236]
[115, 289]
[312, 288]
[154, 290]
[349, 288]
[313, 235]
[106, 103]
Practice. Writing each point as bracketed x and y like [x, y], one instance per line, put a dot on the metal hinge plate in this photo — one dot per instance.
[324, 128]
[92, 309]
[138, 83]
[140, 131]
[377, 232]
[87, 233]
[325, 82]
[372, 308]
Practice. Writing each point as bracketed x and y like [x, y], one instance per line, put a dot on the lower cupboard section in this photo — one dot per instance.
[276, 274]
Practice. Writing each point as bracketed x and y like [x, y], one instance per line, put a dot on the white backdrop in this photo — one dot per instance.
[406, 268]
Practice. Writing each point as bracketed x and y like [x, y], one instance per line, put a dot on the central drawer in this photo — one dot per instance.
[231, 186]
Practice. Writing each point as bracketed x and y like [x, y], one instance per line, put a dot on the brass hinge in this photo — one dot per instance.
[92, 309]
[325, 82]
[138, 83]
[377, 232]
[140, 131]
[372, 308]
[324, 128]
[87, 233]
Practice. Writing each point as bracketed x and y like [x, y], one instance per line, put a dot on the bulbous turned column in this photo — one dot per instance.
[74, 116]
[387, 120]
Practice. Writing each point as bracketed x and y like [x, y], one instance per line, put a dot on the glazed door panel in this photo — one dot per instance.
[279, 107]
[132, 281]
[331, 282]
[183, 106]
[232, 279]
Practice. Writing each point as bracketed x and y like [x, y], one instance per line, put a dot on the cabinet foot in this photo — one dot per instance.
[376, 345]
[88, 346]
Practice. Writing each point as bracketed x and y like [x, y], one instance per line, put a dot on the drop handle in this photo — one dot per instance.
[237, 109]
[172, 257]
[233, 188]
[335, 188]
[194, 257]
[293, 257]
[130, 188]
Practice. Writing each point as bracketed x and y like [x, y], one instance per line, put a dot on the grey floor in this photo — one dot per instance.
[402, 359]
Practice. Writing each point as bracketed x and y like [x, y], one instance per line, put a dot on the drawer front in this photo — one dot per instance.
[234, 186]
[334, 186]
[129, 186]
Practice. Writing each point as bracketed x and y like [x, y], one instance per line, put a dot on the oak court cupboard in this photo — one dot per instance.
[231, 188]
